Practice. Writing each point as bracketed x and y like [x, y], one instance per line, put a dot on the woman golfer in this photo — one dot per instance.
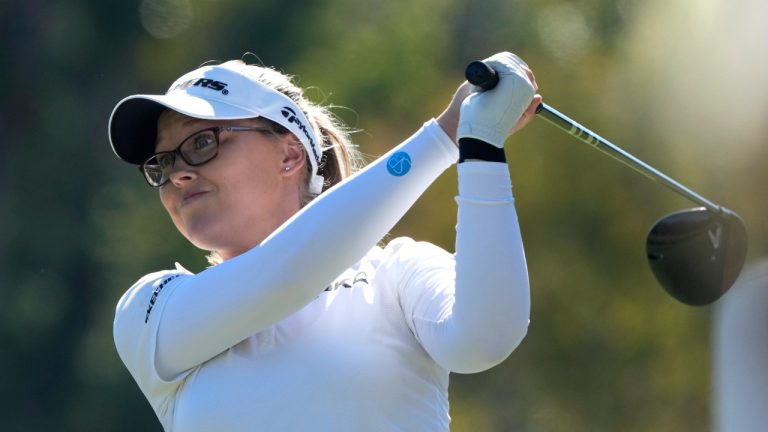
[303, 322]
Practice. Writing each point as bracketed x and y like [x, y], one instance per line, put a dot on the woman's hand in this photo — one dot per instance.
[489, 115]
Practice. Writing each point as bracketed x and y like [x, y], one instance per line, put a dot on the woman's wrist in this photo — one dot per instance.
[448, 123]
[472, 149]
[449, 119]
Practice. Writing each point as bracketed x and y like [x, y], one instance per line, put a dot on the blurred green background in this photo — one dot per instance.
[681, 84]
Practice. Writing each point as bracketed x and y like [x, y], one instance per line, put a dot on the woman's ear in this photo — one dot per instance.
[293, 156]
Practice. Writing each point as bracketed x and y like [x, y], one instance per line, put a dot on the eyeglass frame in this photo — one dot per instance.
[176, 152]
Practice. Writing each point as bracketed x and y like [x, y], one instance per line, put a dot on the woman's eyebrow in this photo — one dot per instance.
[186, 122]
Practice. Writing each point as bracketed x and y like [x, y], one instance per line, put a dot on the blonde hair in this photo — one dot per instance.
[340, 157]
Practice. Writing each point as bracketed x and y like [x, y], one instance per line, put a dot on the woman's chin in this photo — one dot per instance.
[206, 236]
[218, 234]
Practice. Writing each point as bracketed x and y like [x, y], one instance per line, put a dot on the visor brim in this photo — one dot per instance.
[133, 124]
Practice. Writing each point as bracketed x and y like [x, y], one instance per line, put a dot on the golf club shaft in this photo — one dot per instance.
[481, 75]
[570, 126]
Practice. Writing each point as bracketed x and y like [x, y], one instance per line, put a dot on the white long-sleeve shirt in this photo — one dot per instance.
[319, 329]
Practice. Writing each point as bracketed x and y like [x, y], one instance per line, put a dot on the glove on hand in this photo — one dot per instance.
[491, 115]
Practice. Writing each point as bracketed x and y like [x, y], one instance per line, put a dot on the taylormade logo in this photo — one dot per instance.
[290, 115]
[202, 82]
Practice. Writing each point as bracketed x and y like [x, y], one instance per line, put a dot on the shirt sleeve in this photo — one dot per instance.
[469, 310]
[219, 307]
[135, 334]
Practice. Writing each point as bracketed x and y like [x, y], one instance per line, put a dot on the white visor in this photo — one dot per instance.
[218, 92]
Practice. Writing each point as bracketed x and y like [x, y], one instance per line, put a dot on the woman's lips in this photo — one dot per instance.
[191, 197]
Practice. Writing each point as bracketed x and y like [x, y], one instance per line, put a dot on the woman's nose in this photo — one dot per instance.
[182, 172]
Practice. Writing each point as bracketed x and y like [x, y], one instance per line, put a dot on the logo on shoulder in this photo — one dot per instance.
[156, 293]
[203, 83]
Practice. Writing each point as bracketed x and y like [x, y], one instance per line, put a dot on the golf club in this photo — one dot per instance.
[696, 254]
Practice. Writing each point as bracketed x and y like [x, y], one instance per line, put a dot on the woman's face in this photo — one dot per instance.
[233, 202]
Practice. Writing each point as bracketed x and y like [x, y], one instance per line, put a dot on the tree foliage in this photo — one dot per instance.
[606, 349]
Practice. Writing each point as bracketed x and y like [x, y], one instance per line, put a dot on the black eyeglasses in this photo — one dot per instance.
[199, 148]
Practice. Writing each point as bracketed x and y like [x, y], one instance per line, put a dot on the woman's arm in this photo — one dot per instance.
[471, 320]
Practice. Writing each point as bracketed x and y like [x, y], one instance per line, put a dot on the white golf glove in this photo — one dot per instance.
[490, 115]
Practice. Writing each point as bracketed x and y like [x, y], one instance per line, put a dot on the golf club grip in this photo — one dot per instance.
[483, 76]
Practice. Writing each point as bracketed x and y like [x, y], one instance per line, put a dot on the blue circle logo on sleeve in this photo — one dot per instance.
[399, 164]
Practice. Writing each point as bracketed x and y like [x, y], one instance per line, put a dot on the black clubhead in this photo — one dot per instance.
[696, 254]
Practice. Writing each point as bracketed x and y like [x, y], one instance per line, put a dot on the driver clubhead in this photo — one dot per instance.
[696, 254]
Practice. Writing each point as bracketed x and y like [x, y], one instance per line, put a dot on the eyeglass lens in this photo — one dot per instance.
[195, 150]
